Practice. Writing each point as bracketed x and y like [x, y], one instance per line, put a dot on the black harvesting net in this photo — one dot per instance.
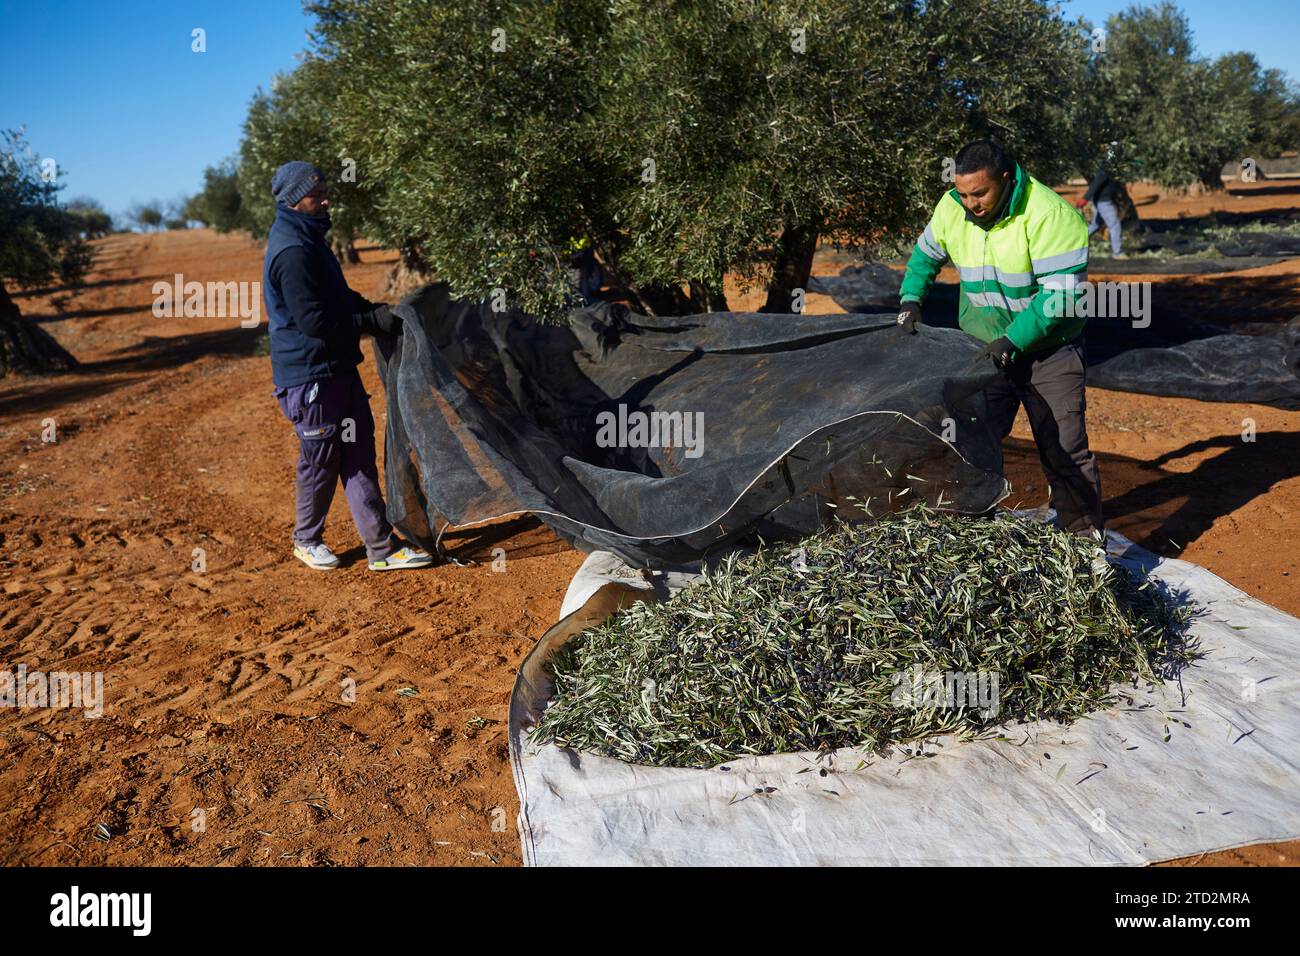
[662, 438]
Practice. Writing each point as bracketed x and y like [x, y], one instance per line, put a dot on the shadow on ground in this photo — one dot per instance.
[1164, 510]
[29, 394]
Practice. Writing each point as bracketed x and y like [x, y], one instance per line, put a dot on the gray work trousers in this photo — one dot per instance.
[1108, 213]
[1051, 387]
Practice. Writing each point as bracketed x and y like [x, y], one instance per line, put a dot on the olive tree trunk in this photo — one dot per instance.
[25, 346]
[793, 266]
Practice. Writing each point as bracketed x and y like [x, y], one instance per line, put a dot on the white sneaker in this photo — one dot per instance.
[403, 558]
[316, 556]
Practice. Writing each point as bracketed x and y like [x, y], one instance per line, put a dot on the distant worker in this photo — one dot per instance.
[316, 323]
[587, 274]
[1104, 192]
[1020, 251]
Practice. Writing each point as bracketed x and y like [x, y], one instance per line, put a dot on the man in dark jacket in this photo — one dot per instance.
[316, 323]
[1103, 192]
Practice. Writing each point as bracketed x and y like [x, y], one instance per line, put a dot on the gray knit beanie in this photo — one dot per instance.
[294, 180]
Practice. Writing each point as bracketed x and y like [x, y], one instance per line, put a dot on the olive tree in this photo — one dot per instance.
[219, 204]
[685, 141]
[1272, 103]
[1178, 117]
[147, 216]
[296, 120]
[771, 124]
[39, 241]
[472, 125]
[91, 219]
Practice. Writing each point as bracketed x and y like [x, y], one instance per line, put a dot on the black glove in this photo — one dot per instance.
[385, 321]
[909, 316]
[1000, 351]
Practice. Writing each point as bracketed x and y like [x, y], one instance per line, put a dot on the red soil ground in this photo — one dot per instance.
[223, 689]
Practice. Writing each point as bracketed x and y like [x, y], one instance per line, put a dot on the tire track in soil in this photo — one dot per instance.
[223, 689]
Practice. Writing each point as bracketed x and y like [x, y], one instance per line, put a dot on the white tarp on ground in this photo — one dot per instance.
[1107, 790]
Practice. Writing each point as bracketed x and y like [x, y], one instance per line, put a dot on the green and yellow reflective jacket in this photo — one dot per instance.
[1017, 274]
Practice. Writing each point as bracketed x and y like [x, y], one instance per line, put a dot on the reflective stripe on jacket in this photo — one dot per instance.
[1019, 277]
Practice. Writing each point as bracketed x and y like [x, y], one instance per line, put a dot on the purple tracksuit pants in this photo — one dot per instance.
[336, 437]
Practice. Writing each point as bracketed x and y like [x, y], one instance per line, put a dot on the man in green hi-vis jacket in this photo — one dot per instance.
[1021, 252]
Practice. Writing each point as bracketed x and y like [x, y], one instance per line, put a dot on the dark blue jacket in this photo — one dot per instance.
[1103, 188]
[315, 320]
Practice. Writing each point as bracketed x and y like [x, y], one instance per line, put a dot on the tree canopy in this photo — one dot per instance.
[298, 119]
[1179, 117]
[39, 241]
[93, 222]
[219, 204]
[698, 139]
[685, 141]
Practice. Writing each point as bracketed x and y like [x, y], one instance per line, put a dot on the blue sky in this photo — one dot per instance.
[112, 91]
[1266, 28]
